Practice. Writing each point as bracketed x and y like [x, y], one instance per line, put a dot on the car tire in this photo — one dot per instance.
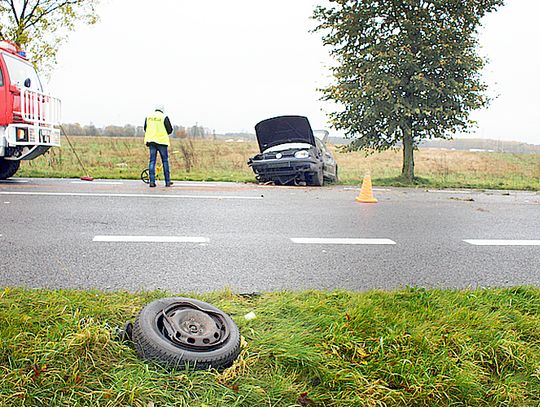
[8, 168]
[205, 337]
[317, 178]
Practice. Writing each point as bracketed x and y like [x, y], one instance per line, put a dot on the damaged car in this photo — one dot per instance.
[292, 153]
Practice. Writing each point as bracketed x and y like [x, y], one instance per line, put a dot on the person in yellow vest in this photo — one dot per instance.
[157, 128]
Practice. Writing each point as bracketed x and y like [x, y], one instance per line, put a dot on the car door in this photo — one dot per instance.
[329, 164]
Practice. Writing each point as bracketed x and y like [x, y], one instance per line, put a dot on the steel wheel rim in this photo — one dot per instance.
[190, 327]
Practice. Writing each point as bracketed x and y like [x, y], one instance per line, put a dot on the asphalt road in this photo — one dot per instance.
[116, 235]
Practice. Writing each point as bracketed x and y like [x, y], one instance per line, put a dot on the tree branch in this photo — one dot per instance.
[46, 12]
[14, 10]
[25, 3]
[34, 9]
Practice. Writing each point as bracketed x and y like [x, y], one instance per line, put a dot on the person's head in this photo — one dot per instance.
[161, 108]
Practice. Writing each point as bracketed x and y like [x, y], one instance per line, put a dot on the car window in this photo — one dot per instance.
[321, 135]
[1, 78]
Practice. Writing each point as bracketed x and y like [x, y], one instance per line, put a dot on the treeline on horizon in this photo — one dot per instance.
[201, 132]
[129, 130]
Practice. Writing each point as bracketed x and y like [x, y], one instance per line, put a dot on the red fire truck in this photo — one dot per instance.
[29, 118]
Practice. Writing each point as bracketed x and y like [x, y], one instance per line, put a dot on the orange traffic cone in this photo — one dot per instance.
[366, 192]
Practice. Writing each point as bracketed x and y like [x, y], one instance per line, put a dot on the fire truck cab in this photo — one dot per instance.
[29, 118]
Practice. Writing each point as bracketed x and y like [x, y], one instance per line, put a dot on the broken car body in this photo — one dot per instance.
[290, 153]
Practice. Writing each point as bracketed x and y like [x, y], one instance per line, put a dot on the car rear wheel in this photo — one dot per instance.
[183, 332]
[8, 168]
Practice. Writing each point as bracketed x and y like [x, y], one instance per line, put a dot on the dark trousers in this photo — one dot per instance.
[164, 154]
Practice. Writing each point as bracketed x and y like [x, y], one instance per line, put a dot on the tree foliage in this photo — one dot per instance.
[41, 26]
[406, 69]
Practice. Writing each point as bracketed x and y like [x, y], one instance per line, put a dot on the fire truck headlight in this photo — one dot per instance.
[22, 134]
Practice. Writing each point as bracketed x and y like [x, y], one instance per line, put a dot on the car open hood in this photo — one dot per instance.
[284, 129]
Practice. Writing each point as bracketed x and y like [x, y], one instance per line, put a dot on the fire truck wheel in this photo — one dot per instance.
[183, 332]
[8, 168]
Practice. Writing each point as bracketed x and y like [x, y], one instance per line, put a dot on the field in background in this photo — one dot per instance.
[226, 161]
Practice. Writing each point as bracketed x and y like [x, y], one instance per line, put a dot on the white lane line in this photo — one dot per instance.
[14, 181]
[149, 195]
[351, 241]
[358, 189]
[501, 242]
[97, 182]
[151, 239]
[192, 183]
[445, 191]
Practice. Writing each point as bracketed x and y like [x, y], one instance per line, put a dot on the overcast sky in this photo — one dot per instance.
[228, 64]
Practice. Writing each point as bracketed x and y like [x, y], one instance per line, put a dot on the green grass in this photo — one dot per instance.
[209, 160]
[408, 347]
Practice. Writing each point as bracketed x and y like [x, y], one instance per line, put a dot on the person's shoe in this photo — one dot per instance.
[152, 185]
[170, 184]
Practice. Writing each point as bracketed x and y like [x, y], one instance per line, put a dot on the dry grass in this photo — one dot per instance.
[448, 168]
[220, 160]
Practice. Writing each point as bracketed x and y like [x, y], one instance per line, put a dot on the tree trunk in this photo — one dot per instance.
[407, 172]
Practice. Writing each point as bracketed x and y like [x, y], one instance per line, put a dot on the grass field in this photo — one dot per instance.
[410, 347]
[221, 161]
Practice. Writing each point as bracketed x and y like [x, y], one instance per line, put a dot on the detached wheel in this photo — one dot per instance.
[183, 332]
[8, 168]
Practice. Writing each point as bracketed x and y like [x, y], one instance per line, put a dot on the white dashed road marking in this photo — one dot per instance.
[151, 239]
[479, 242]
[349, 241]
[447, 191]
[149, 195]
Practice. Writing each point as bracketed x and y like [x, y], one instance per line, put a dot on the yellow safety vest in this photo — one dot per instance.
[155, 129]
